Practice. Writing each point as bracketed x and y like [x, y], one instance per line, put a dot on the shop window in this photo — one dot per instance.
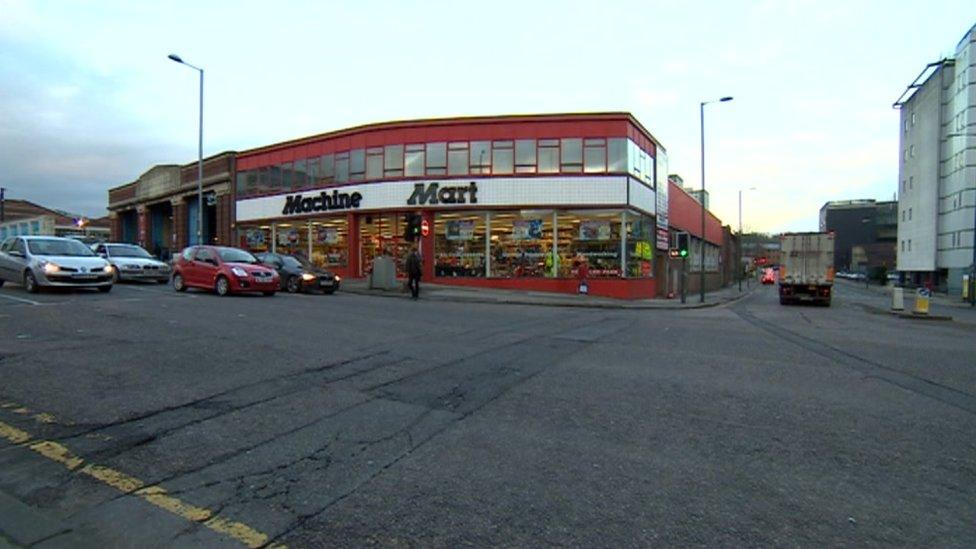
[299, 174]
[521, 244]
[595, 156]
[328, 170]
[414, 161]
[383, 235]
[548, 156]
[592, 238]
[274, 179]
[264, 180]
[459, 244]
[617, 155]
[287, 176]
[502, 157]
[374, 163]
[314, 165]
[342, 167]
[571, 159]
[254, 238]
[357, 165]
[436, 158]
[480, 157]
[329, 238]
[457, 158]
[640, 246]
[393, 161]
[525, 161]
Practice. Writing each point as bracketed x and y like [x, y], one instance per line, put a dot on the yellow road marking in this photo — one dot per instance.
[21, 411]
[156, 495]
[45, 418]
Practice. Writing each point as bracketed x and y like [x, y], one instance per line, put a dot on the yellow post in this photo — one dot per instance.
[922, 301]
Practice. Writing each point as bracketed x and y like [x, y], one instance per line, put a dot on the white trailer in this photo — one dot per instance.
[806, 271]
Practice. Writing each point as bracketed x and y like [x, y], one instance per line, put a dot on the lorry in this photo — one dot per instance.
[806, 271]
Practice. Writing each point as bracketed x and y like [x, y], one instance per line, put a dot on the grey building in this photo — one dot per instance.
[937, 171]
[865, 232]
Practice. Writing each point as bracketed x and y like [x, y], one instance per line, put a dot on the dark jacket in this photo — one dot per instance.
[414, 265]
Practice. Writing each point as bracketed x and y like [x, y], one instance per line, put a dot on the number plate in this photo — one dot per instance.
[325, 283]
[86, 277]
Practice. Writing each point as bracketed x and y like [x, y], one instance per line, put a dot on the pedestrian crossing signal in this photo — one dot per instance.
[412, 231]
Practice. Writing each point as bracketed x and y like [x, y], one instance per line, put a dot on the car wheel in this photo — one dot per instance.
[223, 286]
[105, 289]
[30, 283]
[115, 276]
[178, 283]
[293, 285]
[1, 282]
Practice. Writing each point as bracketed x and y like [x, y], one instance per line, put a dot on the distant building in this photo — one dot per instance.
[864, 233]
[697, 195]
[22, 217]
[937, 170]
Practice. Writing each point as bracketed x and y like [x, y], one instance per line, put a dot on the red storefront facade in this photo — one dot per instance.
[509, 202]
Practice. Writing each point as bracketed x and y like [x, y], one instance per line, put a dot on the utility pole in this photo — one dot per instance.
[3, 216]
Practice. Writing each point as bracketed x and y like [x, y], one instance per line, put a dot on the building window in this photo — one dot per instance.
[548, 156]
[520, 244]
[903, 215]
[414, 161]
[525, 156]
[590, 236]
[909, 214]
[913, 119]
[328, 237]
[374, 163]
[457, 158]
[909, 244]
[437, 158]
[502, 157]
[287, 178]
[903, 245]
[911, 151]
[393, 161]
[617, 155]
[911, 182]
[571, 159]
[480, 157]
[459, 244]
[327, 170]
[342, 167]
[595, 156]
[357, 165]
[904, 185]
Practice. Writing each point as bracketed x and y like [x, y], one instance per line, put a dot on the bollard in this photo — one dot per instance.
[922, 301]
[898, 299]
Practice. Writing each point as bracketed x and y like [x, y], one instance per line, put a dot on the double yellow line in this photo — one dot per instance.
[154, 494]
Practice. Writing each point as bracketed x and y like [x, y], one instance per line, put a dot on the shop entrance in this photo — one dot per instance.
[382, 234]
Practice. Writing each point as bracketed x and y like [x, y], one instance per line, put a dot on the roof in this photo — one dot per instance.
[15, 209]
[930, 70]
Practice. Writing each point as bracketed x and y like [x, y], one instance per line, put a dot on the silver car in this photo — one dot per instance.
[132, 262]
[37, 261]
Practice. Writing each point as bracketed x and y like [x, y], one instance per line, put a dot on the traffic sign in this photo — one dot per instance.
[424, 228]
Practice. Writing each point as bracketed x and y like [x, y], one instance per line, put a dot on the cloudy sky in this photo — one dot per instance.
[88, 99]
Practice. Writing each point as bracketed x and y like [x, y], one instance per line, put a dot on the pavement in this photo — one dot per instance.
[463, 294]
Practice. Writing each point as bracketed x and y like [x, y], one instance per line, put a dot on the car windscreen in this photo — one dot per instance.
[128, 251]
[230, 255]
[52, 246]
[290, 261]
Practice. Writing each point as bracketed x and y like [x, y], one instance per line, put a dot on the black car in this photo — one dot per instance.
[298, 275]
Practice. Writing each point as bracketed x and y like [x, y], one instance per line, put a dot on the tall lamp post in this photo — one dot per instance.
[739, 266]
[972, 266]
[177, 58]
[701, 255]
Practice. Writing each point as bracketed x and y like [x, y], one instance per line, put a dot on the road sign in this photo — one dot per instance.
[424, 228]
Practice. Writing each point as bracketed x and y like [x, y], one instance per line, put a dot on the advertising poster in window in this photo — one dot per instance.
[327, 235]
[594, 230]
[255, 238]
[527, 229]
[459, 229]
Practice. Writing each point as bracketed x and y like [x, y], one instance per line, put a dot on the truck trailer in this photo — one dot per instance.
[806, 271]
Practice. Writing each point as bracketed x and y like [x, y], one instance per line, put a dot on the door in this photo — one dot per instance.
[382, 235]
[5, 259]
[205, 267]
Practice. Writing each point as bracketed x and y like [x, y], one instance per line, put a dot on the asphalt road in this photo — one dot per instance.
[162, 419]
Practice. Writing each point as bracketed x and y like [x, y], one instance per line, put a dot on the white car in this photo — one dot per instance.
[133, 262]
[37, 261]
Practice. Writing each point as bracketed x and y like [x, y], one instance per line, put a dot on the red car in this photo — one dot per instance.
[223, 270]
[768, 276]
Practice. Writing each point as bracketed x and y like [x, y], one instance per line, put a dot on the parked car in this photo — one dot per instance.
[768, 276]
[51, 261]
[132, 262]
[223, 270]
[299, 275]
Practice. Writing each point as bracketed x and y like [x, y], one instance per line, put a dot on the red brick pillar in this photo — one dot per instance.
[352, 245]
[223, 221]
[179, 226]
[115, 229]
[142, 234]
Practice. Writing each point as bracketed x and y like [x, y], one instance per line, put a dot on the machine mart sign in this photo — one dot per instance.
[500, 192]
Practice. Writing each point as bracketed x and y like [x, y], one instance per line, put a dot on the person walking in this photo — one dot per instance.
[414, 269]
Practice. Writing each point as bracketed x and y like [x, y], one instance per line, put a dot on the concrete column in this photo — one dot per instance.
[142, 232]
[352, 245]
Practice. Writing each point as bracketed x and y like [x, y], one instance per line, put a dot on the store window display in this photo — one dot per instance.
[255, 238]
[329, 242]
[590, 236]
[640, 246]
[520, 244]
[459, 245]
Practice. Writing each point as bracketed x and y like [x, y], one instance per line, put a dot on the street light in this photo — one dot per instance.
[739, 266]
[701, 258]
[972, 267]
[179, 60]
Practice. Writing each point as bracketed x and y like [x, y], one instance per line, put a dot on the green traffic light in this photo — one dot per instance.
[683, 253]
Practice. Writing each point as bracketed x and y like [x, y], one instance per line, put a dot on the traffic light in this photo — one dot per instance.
[412, 230]
[683, 244]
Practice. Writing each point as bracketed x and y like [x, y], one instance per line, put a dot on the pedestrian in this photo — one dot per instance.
[414, 269]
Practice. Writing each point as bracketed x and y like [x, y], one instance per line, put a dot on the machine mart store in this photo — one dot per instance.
[513, 232]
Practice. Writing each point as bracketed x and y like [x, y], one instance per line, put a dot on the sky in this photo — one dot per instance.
[89, 100]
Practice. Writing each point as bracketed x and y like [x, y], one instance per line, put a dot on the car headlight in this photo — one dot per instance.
[338, 278]
[50, 268]
[107, 268]
[308, 276]
[238, 271]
